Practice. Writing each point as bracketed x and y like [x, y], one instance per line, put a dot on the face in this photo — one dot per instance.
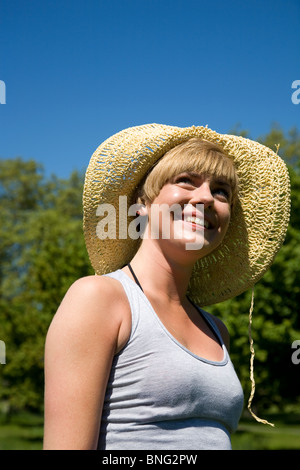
[202, 215]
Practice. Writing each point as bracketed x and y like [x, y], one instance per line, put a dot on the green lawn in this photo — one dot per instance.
[263, 437]
[21, 432]
[25, 432]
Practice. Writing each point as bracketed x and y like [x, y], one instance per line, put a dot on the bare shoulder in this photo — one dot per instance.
[94, 305]
[95, 286]
[89, 327]
[223, 330]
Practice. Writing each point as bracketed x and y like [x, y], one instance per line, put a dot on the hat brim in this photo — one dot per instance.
[258, 223]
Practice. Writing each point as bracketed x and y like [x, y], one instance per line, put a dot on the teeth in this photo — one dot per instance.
[195, 220]
[198, 221]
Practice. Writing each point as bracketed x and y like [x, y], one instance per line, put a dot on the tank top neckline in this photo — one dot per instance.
[141, 293]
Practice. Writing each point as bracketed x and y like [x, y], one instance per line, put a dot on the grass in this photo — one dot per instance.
[25, 432]
[256, 436]
[251, 437]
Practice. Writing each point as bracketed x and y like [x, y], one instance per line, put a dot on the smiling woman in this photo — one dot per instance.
[132, 360]
[182, 170]
[201, 215]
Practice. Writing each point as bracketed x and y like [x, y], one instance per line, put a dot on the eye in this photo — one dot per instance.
[222, 192]
[184, 179]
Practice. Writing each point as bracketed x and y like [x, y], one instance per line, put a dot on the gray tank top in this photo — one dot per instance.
[161, 396]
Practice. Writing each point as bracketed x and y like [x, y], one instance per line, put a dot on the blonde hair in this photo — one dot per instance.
[196, 155]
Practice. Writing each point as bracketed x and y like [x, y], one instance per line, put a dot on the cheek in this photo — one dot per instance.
[168, 194]
[175, 194]
[226, 217]
[224, 214]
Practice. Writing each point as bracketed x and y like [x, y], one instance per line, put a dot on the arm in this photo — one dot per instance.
[83, 337]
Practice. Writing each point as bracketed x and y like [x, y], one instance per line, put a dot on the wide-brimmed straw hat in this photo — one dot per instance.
[258, 223]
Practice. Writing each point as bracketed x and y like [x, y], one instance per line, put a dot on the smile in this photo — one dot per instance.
[198, 221]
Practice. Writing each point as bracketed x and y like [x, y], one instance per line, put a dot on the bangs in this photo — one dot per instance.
[194, 155]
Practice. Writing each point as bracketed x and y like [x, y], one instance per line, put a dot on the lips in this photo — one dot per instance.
[198, 220]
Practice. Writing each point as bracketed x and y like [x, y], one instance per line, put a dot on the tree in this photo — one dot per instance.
[42, 252]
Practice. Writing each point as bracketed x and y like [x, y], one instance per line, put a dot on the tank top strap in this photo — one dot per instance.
[132, 294]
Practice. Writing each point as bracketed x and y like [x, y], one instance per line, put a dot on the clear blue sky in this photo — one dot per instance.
[77, 71]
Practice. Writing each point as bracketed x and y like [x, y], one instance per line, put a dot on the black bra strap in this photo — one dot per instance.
[206, 321]
[134, 276]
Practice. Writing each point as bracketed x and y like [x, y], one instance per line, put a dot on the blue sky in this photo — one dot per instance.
[78, 71]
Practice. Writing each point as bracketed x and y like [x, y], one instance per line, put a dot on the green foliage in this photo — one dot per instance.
[42, 252]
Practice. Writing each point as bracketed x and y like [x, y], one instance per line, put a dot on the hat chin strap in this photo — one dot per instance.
[252, 366]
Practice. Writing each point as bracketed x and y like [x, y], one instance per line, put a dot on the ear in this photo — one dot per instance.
[141, 207]
[142, 210]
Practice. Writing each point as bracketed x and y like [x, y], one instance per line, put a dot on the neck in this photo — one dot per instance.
[161, 276]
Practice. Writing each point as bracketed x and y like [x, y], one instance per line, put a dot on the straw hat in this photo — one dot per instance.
[258, 223]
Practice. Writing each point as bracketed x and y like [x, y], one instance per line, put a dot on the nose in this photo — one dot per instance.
[203, 195]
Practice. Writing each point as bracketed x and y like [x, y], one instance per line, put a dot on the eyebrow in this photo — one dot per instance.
[222, 181]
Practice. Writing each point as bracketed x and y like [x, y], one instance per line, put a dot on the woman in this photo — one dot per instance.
[132, 362]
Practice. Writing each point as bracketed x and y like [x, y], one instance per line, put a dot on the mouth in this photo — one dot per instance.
[198, 221]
